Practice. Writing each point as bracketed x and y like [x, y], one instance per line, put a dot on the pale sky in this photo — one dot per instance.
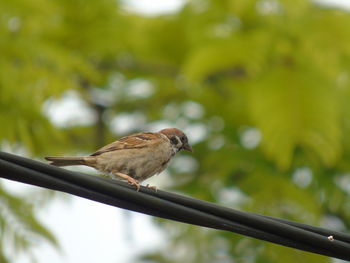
[89, 231]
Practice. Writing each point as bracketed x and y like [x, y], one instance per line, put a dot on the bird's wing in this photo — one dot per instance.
[135, 141]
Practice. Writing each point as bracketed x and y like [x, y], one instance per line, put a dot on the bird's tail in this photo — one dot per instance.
[66, 160]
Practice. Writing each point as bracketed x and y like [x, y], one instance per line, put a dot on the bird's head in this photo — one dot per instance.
[177, 138]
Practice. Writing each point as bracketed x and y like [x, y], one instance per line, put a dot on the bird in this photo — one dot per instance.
[133, 158]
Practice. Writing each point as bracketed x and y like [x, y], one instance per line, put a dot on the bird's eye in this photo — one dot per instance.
[174, 140]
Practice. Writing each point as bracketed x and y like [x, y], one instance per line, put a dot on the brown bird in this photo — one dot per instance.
[133, 158]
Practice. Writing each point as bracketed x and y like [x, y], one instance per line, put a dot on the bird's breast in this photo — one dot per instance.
[153, 163]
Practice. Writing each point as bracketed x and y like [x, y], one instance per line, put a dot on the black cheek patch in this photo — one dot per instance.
[174, 140]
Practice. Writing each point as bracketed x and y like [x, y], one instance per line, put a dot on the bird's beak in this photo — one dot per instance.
[187, 147]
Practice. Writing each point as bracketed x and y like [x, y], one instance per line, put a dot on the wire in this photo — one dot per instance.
[176, 207]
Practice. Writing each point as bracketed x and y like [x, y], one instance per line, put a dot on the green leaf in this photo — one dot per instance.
[296, 108]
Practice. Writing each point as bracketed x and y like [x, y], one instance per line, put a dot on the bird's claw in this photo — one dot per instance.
[134, 182]
[152, 187]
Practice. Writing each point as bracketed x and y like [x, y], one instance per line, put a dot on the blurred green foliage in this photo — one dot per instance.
[262, 87]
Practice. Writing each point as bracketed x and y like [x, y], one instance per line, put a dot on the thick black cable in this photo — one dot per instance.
[202, 220]
[20, 171]
[227, 212]
[176, 207]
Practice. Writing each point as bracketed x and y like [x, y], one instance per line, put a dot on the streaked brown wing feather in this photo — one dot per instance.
[138, 140]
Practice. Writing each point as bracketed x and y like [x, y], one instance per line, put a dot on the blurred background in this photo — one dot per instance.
[261, 88]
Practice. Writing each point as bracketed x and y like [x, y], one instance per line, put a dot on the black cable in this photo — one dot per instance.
[176, 207]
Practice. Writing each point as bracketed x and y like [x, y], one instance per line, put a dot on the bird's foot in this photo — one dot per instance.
[129, 179]
[152, 187]
[134, 182]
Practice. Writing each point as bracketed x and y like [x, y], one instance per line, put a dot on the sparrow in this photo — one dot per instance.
[133, 158]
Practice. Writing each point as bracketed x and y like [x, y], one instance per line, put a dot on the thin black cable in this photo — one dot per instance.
[176, 207]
